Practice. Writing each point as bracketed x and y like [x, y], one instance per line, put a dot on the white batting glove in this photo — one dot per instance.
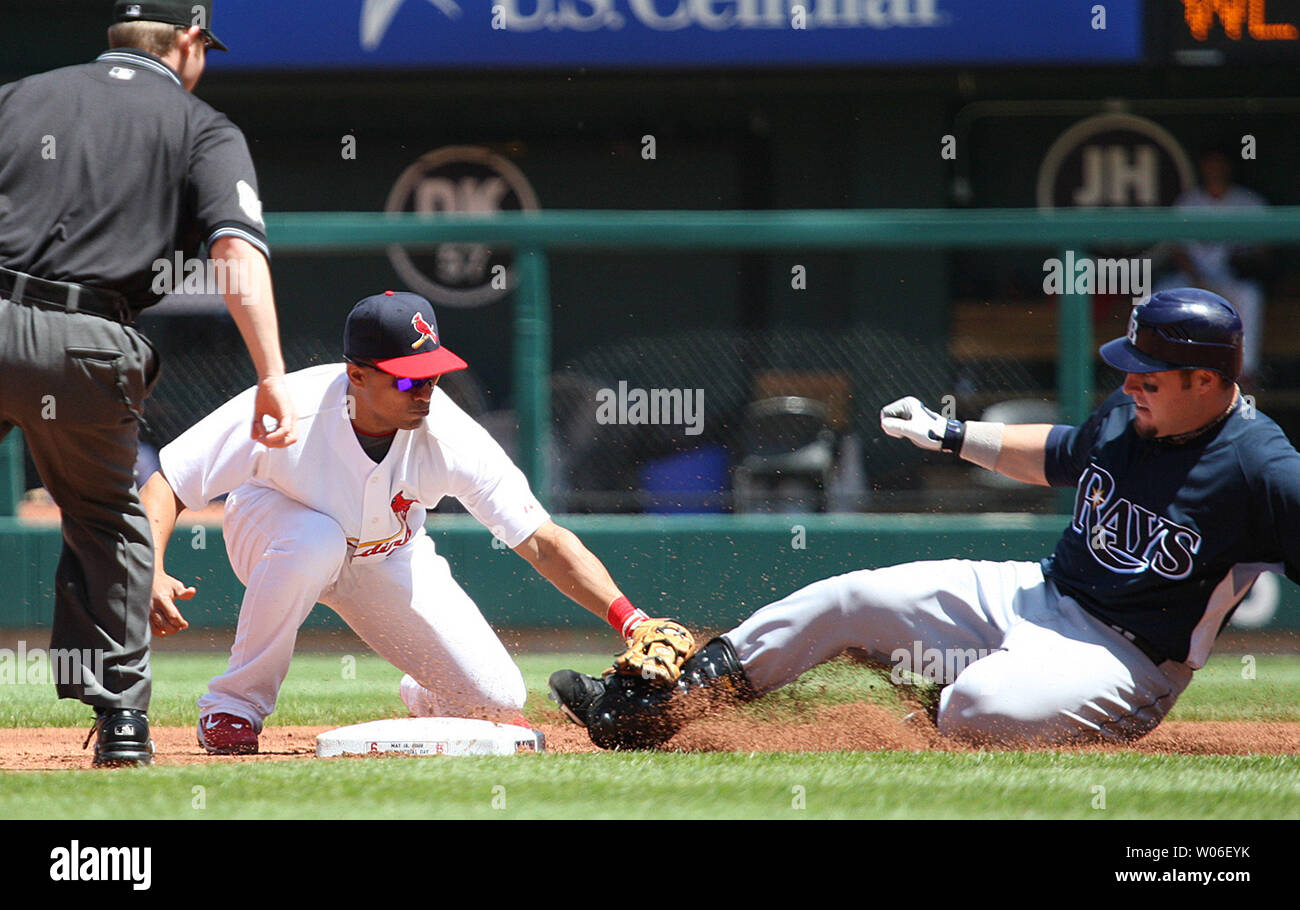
[909, 419]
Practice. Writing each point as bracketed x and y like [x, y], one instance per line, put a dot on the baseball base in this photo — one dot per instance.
[429, 736]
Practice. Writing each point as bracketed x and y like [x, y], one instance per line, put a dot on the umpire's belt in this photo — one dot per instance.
[63, 295]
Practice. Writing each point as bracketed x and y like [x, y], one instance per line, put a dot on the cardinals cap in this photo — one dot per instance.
[397, 332]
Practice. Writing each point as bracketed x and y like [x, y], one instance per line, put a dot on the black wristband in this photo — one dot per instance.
[953, 437]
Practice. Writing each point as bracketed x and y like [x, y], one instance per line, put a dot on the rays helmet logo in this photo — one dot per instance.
[1133, 326]
[1124, 537]
[459, 180]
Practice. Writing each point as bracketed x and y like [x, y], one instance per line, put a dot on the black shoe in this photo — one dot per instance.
[628, 712]
[632, 713]
[123, 737]
[619, 712]
[716, 667]
[575, 692]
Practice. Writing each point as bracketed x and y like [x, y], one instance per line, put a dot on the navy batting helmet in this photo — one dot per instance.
[1179, 329]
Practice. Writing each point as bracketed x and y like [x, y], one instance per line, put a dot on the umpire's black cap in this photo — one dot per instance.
[1179, 329]
[174, 12]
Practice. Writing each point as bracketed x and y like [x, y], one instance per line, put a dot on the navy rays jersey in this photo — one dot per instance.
[1166, 539]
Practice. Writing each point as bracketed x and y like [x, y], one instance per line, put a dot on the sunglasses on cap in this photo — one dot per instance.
[208, 42]
[401, 383]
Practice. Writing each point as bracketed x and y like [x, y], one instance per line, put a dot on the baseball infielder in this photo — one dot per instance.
[338, 518]
[1185, 494]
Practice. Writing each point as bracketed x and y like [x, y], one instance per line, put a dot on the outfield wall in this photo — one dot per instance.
[709, 571]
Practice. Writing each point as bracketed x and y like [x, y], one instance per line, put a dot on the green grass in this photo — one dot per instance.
[327, 689]
[692, 786]
[320, 689]
[349, 688]
[1220, 691]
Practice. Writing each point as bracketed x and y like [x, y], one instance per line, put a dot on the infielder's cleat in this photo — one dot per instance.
[121, 737]
[575, 692]
[226, 734]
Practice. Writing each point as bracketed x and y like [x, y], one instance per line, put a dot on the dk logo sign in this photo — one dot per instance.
[459, 180]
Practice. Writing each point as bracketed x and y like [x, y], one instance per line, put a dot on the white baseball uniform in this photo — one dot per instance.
[320, 521]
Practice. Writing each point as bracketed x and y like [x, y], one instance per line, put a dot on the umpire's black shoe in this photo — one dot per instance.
[122, 737]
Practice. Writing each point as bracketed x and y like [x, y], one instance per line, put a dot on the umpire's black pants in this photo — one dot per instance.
[75, 384]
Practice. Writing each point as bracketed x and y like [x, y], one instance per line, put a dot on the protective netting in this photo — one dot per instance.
[602, 465]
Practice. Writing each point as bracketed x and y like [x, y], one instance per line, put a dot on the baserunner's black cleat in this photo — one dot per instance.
[575, 692]
[628, 712]
[715, 666]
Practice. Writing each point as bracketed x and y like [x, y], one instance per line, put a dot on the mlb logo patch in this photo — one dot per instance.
[133, 10]
[121, 72]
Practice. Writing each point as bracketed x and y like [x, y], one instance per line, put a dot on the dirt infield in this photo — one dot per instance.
[856, 727]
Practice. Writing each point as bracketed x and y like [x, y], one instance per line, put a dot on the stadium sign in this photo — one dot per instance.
[1212, 33]
[446, 34]
[464, 180]
[1114, 160]
[715, 16]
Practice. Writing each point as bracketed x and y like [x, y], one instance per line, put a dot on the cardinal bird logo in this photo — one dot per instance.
[426, 331]
[402, 506]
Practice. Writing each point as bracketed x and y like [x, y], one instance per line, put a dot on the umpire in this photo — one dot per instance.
[107, 170]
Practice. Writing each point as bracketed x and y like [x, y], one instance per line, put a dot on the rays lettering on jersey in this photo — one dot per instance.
[1124, 537]
[401, 508]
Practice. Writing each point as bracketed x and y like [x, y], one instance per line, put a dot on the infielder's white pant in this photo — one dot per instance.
[1021, 662]
[407, 608]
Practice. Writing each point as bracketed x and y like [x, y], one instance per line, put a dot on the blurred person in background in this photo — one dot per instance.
[1234, 271]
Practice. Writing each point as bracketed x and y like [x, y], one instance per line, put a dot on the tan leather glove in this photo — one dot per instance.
[655, 651]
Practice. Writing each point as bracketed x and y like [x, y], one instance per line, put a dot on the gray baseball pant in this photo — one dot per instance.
[1020, 662]
[75, 384]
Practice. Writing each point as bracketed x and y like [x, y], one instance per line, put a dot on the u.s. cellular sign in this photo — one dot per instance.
[440, 34]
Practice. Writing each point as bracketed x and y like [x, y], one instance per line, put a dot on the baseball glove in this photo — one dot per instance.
[655, 651]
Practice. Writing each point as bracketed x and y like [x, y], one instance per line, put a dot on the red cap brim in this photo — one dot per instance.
[421, 366]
